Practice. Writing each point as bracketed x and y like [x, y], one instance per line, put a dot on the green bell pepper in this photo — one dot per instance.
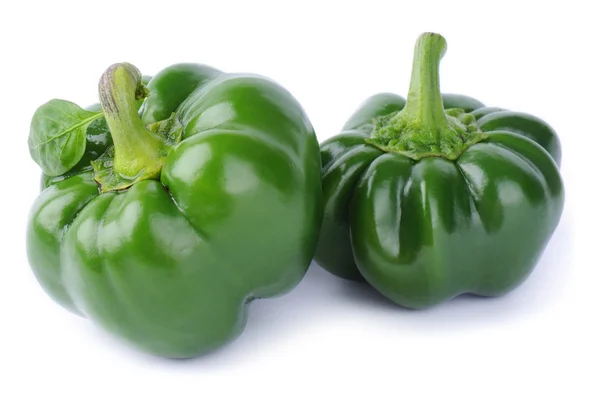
[435, 196]
[162, 223]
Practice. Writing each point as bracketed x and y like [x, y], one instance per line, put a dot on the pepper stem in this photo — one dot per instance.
[424, 101]
[424, 128]
[138, 152]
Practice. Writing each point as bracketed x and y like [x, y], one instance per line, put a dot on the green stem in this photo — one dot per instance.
[138, 152]
[424, 101]
[424, 128]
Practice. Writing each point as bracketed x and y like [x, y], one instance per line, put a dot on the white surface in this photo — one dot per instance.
[327, 338]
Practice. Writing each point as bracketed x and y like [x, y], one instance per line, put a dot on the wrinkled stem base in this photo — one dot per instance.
[401, 134]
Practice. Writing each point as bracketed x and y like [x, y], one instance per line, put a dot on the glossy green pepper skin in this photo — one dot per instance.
[424, 230]
[171, 264]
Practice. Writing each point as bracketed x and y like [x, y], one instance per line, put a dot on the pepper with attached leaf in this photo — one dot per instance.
[434, 196]
[162, 223]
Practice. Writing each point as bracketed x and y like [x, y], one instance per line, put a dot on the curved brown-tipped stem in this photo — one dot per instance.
[138, 153]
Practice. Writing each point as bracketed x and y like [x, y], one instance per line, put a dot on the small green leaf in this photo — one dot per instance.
[57, 135]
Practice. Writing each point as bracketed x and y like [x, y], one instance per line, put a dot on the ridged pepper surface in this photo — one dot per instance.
[437, 195]
[165, 212]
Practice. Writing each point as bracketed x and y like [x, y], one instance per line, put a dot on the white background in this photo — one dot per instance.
[327, 338]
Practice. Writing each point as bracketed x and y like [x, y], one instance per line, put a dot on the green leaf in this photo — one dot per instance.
[57, 135]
